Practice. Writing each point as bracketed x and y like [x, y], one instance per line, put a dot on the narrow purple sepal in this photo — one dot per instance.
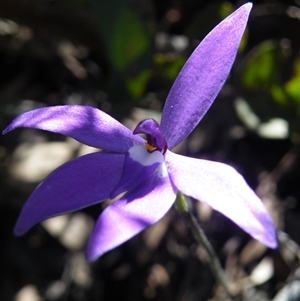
[202, 77]
[77, 184]
[226, 191]
[86, 124]
[125, 218]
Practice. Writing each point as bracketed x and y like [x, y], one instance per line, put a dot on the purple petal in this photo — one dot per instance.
[225, 190]
[130, 215]
[202, 77]
[74, 185]
[86, 124]
[139, 165]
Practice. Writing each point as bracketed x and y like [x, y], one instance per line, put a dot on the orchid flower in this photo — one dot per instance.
[146, 170]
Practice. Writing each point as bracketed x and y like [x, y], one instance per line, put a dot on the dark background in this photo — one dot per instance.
[122, 56]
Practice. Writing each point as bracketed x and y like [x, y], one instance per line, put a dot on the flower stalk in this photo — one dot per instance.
[202, 239]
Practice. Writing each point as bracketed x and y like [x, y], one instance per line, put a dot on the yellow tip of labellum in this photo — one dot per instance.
[149, 147]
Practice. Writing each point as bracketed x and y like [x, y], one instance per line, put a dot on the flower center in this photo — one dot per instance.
[155, 139]
[150, 148]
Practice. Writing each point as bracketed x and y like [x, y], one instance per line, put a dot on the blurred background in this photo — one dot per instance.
[122, 56]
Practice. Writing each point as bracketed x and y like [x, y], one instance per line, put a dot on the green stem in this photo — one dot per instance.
[202, 239]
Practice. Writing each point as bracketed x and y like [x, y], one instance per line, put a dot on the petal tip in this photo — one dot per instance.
[267, 234]
[90, 256]
[246, 8]
[6, 130]
[273, 241]
[19, 230]
[91, 252]
[248, 5]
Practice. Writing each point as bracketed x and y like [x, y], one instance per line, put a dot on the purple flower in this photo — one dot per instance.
[147, 171]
